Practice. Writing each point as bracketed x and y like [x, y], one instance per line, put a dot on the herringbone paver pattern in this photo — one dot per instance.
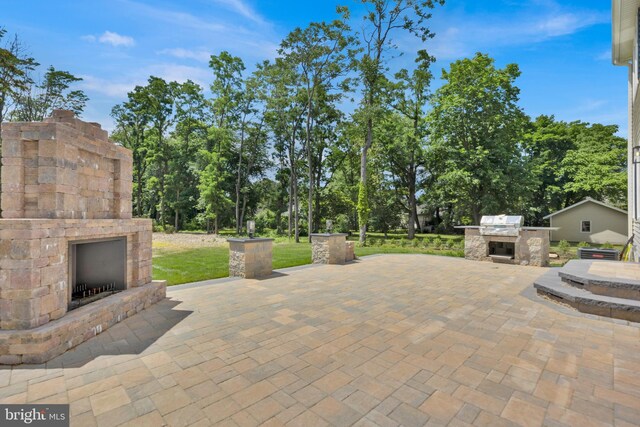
[391, 340]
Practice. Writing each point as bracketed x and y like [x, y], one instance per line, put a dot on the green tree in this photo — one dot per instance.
[284, 116]
[405, 150]
[37, 101]
[213, 196]
[383, 19]
[546, 145]
[159, 102]
[477, 128]
[189, 136]
[597, 167]
[319, 54]
[131, 120]
[15, 66]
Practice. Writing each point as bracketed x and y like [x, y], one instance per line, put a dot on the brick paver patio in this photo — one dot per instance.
[389, 340]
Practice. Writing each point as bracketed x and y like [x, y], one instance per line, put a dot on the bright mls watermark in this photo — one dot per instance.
[34, 415]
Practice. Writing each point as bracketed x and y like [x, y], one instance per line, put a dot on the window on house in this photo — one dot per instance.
[585, 226]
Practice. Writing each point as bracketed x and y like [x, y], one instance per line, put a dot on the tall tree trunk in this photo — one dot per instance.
[363, 179]
[239, 184]
[296, 208]
[411, 225]
[163, 217]
[290, 219]
[215, 225]
[311, 179]
[243, 210]
[415, 214]
[476, 214]
[177, 219]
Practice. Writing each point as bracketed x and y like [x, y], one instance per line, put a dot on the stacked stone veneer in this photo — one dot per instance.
[63, 182]
[328, 248]
[349, 254]
[531, 246]
[250, 258]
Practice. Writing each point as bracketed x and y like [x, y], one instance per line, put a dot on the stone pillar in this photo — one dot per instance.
[350, 251]
[534, 247]
[250, 258]
[328, 248]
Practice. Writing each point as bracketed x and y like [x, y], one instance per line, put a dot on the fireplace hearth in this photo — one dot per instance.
[67, 238]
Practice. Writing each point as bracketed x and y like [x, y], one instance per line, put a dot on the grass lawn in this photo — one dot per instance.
[193, 265]
[184, 265]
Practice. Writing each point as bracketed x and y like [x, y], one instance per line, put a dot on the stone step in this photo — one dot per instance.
[550, 284]
[577, 273]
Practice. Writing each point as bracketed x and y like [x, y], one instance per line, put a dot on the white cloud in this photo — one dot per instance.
[175, 18]
[109, 37]
[115, 39]
[461, 34]
[237, 32]
[243, 9]
[119, 86]
[198, 55]
[179, 73]
[110, 88]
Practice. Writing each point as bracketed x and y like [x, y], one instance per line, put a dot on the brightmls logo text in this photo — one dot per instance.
[34, 415]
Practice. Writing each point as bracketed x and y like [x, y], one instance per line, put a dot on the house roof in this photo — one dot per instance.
[623, 29]
[588, 199]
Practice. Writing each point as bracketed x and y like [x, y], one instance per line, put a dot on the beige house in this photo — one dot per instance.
[589, 221]
[624, 49]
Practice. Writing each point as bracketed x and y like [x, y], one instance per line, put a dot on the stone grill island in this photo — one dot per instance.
[502, 238]
[73, 261]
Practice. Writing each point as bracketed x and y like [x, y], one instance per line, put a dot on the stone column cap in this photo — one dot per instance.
[249, 240]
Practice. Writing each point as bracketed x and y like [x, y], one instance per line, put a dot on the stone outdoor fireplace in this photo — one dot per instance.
[72, 260]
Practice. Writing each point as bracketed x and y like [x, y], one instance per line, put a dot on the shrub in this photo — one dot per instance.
[563, 247]
[169, 229]
[607, 245]
[437, 243]
[583, 245]
[265, 219]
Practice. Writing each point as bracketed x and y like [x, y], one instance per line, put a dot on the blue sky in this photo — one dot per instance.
[563, 48]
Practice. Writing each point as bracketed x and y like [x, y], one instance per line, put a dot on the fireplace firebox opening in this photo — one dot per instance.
[97, 270]
[502, 249]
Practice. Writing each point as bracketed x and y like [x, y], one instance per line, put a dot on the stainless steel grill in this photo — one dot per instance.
[501, 225]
